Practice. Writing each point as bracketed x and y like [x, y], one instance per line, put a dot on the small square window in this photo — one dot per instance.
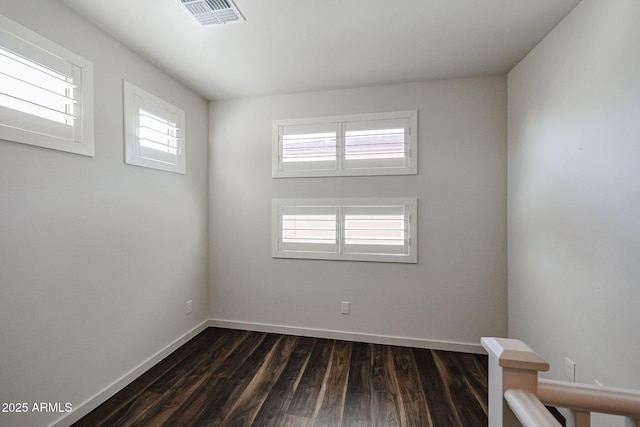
[154, 131]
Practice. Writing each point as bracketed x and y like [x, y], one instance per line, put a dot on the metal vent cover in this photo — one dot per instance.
[213, 12]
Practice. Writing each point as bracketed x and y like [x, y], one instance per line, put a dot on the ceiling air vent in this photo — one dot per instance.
[213, 12]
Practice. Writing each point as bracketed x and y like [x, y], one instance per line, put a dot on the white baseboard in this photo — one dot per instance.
[90, 404]
[351, 336]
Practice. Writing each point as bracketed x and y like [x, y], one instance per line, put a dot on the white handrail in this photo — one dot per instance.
[590, 398]
[529, 410]
[517, 395]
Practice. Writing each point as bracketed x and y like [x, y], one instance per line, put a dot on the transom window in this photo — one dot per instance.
[46, 92]
[362, 144]
[345, 229]
[33, 89]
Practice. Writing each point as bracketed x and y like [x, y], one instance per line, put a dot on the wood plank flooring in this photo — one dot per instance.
[234, 378]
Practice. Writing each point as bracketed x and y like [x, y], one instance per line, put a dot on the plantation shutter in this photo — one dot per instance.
[345, 229]
[376, 230]
[380, 143]
[158, 137]
[308, 146]
[38, 91]
[350, 145]
[154, 131]
[308, 228]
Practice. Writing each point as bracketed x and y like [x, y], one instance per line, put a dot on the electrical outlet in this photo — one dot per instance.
[189, 306]
[570, 369]
[344, 307]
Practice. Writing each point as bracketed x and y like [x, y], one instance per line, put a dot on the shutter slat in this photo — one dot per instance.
[164, 124]
[315, 147]
[160, 134]
[158, 146]
[376, 144]
[376, 229]
[56, 94]
[52, 111]
[31, 88]
[308, 229]
[38, 68]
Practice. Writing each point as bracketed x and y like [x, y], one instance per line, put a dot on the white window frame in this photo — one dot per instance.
[171, 160]
[340, 165]
[339, 249]
[77, 135]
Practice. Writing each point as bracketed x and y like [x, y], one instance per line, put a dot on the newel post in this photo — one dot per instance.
[512, 365]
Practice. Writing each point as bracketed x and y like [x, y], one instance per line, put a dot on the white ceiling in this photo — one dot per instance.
[305, 45]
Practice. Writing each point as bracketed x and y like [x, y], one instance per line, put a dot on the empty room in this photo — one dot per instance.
[297, 213]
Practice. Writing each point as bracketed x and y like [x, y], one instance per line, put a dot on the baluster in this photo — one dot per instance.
[579, 419]
[630, 422]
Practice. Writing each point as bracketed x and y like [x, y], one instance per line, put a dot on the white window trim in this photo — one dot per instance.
[337, 205]
[409, 168]
[134, 99]
[82, 141]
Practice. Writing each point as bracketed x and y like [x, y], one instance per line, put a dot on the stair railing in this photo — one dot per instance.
[517, 397]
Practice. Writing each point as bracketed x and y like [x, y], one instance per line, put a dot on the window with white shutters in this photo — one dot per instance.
[377, 229]
[154, 131]
[308, 229]
[46, 92]
[345, 229]
[360, 144]
[308, 147]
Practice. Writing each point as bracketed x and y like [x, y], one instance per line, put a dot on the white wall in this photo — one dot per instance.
[457, 291]
[574, 194]
[97, 258]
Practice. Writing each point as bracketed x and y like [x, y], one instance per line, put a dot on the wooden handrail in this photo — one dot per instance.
[529, 410]
[590, 398]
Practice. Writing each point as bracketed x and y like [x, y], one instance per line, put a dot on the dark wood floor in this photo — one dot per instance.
[237, 378]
